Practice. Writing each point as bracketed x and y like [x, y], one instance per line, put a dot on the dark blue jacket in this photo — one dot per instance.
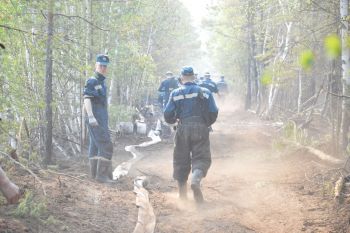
[96, 90]
[210, 85]
[185, 102]
[167, 86]
[222, 86]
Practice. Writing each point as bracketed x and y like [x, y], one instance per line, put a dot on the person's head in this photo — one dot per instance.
[207, 75]
[169, 74]
[187, 74]
[102, 61]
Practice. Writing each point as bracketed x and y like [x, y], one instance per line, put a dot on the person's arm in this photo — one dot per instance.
[216, 89]
[213, 109]
[90, 92]
[9, 189]
[169, 111]
[162, 86]
[90, 114]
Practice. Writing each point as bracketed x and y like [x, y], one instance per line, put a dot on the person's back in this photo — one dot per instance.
[210, 85]
[222, 85]
[167, 86]
[194, 109]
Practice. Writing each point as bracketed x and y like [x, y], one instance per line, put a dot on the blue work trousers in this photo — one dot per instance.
[100, 140]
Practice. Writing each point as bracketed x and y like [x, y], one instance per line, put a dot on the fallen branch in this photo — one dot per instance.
[25, 168]
[320, 154]
[67, 175]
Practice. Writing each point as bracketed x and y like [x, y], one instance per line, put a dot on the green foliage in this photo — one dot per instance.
[332, 46]
[295, 134]
[51, 221]
[29, 207]
[266, 79]
[279, 145]
[143, 39]
[307, 59]
[121, 113]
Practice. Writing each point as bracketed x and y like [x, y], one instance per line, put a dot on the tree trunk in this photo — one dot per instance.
[48, 86]
[344, 13]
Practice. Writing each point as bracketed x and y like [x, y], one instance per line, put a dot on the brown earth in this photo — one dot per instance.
[251, 187]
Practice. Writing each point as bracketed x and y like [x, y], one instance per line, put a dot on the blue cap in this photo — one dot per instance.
[102, 59]
[187, 71]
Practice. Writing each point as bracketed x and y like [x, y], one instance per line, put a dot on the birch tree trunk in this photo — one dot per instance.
[344, 13]
[48, 86]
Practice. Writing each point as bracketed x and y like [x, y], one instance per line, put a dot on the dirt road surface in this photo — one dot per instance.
[252, 186]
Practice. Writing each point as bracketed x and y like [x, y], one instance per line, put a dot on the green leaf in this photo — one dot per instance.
[332, 45]
[266, 78]
[307, 59]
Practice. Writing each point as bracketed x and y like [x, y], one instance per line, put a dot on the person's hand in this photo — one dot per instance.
[92, 121]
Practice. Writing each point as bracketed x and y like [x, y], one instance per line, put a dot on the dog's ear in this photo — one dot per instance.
[2, 46]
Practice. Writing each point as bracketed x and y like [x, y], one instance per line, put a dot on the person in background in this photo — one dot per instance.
[209, 83]
[95, 105]
[222, 85]
[167, 86]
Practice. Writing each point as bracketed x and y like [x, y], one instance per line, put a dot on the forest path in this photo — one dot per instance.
[250, 187]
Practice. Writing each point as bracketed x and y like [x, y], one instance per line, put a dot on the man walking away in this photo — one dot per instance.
[167, 86]
[194, 109]
[209, 83]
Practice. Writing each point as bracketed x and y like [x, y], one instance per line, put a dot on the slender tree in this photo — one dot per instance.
[48, 86]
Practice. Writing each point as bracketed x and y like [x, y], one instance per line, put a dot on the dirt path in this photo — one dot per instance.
[251, 187]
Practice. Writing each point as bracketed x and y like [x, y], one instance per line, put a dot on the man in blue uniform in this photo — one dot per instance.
[194, 109]
[209, 84]
[222, 85]
[95, 104]
[167, 86]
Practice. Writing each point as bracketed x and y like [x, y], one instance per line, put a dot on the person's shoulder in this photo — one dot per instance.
[178, 90]
[92, 80]
[205, 90]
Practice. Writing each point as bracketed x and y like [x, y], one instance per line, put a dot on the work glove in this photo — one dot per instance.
[92, 121]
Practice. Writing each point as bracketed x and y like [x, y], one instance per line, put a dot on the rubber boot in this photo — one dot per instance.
[93, 167]
[197, 176]
[182, 190]
[103, 171]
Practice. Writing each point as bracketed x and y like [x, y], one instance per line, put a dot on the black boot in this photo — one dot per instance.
[104, 170]
[197, 176]
[93, 167]
[182, 190]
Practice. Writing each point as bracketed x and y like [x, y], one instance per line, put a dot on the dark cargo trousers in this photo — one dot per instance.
[100, 142]
[192, 149]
